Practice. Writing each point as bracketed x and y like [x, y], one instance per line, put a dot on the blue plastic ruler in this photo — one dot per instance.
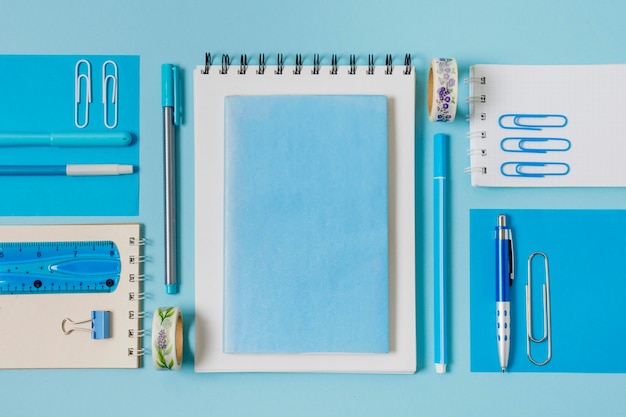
[59, 267]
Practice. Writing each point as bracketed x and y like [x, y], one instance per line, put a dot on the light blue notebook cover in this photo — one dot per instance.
[587, 259]
[37, 94]
[306, 235]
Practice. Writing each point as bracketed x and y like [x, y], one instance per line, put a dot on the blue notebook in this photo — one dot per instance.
[585, 250]
[39, 96]
[306, 229]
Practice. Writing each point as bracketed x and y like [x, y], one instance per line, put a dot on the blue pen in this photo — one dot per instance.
[170, 88]
[440, 269]
[504, 280]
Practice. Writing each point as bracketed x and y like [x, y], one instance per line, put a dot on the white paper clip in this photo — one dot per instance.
[82, 83]
[109, 101]
[100, 325]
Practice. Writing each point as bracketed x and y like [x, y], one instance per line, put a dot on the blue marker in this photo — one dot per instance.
[504, 279]
[441, 249]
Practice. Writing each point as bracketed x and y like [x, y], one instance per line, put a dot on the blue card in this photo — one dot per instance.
[306, 228]
[39, 96]
[585, 251]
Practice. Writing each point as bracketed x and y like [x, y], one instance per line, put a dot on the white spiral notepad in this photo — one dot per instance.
[547, 125]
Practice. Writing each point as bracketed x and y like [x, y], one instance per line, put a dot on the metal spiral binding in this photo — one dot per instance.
[136, 334]
[352, 69]
[316, 64]
[299, 64]
[225, 64]
[298, 69]
[261, 69]
[370, 64]
[136, 352]
[389, 64]
[136, 314]
[243, 64]
[334, 66]
[477, 151]
[407, 64]
[280, 66]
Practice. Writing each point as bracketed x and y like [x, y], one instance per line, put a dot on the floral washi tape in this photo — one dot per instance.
[442, 89]
[167, 338]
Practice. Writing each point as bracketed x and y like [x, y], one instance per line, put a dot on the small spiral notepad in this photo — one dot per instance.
[547, 125]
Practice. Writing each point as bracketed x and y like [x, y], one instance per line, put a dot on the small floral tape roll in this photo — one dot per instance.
[442, 89]
[167, 338]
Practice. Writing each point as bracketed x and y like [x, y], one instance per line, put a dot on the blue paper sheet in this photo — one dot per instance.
[38, 95]
[306, 235]
[586, 253]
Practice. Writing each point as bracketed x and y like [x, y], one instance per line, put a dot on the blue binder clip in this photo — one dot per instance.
[535, 145]
[531, 121]
[534, 169]
[100, 325]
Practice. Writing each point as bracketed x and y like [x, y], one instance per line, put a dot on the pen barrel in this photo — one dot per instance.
[32, 170]
[440, 270]
[503, 263]
[169, 135]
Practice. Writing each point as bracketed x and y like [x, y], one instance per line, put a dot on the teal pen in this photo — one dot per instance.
[170, 90]
[63, 139]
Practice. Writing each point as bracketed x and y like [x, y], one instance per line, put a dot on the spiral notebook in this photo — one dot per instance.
[547, 125]
[286, 97]
[70, 296]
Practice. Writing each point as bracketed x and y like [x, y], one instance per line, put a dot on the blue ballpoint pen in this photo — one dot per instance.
[170, 89]
[504, 279]
[440, 263]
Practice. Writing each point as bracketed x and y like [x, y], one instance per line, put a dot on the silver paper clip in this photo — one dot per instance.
[535, 145]
[111, 101]
[547, 328]
[534, 169]
[531, 121]
[82, 83]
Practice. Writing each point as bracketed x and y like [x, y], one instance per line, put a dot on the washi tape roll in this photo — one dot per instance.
[167, 338]
[443, 83]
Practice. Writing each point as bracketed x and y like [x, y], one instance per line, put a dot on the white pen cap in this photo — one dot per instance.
[97, 169]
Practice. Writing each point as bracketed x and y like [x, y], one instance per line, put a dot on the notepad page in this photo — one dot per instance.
[30, 324]
[209, 92]
[582, 142]
[305, 224]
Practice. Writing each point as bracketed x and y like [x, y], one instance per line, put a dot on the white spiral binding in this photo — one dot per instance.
[299, 63]
[136, 315]
[476, 137]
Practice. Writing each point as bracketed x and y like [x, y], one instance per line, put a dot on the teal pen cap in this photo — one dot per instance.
[170, 90]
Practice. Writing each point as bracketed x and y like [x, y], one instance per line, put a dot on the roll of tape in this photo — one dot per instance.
[442, 89]
[167, 338]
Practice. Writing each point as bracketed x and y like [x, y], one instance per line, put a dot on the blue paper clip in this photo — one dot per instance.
[537, 169]
[100, 325]
[535, 145]
[525, 121]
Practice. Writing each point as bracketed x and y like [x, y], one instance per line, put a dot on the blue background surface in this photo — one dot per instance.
[493, 31]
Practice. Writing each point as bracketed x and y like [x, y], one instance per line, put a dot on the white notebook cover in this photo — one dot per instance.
[209, 93]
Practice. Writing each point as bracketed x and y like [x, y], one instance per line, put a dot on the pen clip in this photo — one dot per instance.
[178, 111]
[511, 258]
[105, 93]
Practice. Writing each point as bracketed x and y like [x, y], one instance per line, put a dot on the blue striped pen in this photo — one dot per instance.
[441, 249]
